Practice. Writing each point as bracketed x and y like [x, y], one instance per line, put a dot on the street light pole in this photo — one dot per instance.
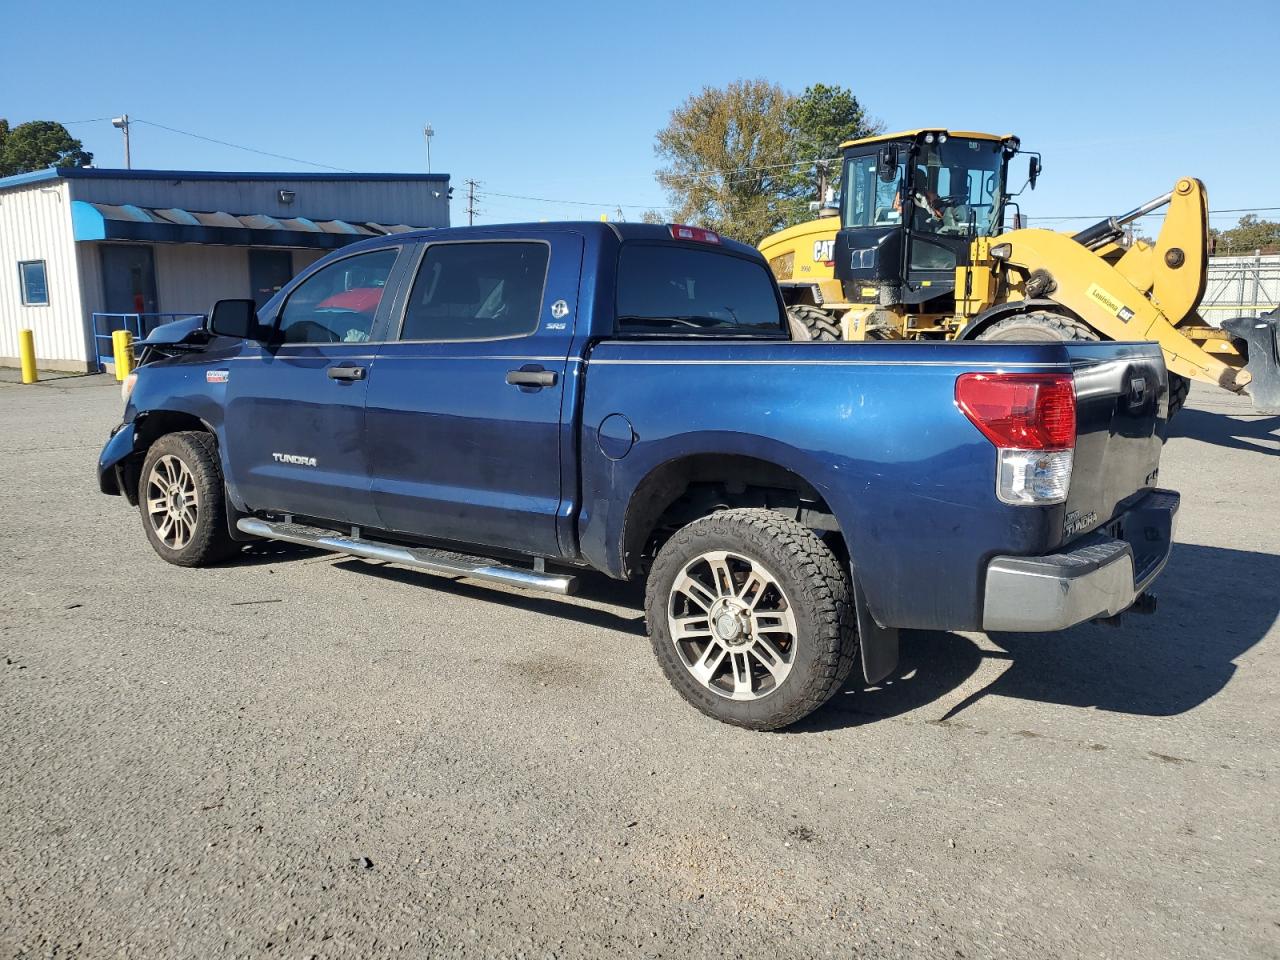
[121, 123]
[428, 131]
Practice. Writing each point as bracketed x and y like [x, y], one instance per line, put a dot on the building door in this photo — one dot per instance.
[129, 278]
[269, 270]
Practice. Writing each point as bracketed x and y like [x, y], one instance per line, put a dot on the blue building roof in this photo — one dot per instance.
[101, 173]
[106, 207]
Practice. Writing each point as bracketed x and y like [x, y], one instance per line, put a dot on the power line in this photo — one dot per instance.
[576, 203]
[733, 172]
[70, 123]
[237, 146]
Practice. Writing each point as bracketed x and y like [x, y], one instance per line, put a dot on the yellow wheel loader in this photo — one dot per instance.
[917, 250]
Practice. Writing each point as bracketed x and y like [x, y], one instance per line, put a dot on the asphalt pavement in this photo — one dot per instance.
[299, 755]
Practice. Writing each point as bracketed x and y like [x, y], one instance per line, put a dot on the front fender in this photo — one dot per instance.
[119, 448]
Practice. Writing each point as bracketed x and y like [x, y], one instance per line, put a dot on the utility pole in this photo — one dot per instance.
[428, 131]
[471, 202]
[121, 123]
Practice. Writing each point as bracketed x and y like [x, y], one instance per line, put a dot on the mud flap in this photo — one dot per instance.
[879, 645]
[1263, 337]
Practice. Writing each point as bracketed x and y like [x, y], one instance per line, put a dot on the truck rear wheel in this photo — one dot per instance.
[181, 500]
[751, 618]
[817, 324]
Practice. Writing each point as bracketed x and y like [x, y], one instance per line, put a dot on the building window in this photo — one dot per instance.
[35, 291]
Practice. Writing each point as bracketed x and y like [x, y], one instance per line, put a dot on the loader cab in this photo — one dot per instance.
[911, 205]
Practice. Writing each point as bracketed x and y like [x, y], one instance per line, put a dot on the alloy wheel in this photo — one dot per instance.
[732, 625]
[172, 502]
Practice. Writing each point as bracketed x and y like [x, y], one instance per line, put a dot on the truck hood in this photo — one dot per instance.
[187, 331]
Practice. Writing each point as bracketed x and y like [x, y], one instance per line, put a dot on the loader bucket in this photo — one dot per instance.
[1262, 334]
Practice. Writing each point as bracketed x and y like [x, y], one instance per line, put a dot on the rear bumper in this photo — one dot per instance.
[1099, 576]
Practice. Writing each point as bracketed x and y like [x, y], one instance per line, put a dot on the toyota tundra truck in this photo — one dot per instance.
[523, 403]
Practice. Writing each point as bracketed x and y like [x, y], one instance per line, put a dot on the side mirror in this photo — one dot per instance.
[234, 318]
[887, 163]
[1033, 172]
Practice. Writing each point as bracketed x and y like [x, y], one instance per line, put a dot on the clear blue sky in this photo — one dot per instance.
[562, 100]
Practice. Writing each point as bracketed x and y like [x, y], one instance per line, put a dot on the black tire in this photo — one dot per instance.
[1179, 389]
[1038, 325]
[809, 590]
[1053, 326]
[817, 323]
[188, 534]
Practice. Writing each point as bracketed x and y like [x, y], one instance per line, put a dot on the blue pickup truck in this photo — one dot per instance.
[523, 403]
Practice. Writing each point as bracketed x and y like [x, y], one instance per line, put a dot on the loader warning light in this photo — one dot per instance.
[681, 232]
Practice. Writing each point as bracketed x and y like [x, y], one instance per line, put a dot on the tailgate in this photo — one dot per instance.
[1122, 402]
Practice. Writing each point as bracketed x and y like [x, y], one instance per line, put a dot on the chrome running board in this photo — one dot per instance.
[420, 558]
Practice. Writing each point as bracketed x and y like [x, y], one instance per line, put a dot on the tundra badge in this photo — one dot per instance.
[294, 459]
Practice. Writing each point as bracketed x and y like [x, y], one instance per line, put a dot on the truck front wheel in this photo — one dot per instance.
[181, 500]
[751, 617]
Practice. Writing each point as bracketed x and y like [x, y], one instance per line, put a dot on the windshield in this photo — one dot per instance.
[955, 187]
[674, 290]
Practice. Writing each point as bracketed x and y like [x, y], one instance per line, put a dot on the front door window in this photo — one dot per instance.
[337, 303]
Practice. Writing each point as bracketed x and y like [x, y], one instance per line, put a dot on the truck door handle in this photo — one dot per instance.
[346, 373]
[531, 377]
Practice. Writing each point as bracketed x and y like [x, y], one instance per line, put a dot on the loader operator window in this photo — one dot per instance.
[956, 187]
[868, 200]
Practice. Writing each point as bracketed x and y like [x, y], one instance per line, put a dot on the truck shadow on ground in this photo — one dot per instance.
[593, 589]
[1215, 605]
[1255, 434]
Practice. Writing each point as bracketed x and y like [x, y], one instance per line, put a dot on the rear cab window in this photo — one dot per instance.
[675, 290]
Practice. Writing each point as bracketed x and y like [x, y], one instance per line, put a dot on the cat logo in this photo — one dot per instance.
[824, 251]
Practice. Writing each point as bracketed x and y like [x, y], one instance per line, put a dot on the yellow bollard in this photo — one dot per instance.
[122, 347]
[27, 351]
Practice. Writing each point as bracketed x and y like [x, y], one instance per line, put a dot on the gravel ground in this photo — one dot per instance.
[305, 756]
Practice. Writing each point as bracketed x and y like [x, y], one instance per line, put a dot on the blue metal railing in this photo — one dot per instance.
[139, 324]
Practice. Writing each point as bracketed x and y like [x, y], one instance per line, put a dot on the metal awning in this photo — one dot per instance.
[105, 221]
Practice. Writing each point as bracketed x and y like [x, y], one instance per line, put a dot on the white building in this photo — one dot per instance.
[85, 250]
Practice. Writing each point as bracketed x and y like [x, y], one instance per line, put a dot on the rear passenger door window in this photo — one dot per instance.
[477, 291]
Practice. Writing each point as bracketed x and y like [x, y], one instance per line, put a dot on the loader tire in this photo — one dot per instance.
[1039, 325]
[1179, 387]
[812, 321]
[1053, 326]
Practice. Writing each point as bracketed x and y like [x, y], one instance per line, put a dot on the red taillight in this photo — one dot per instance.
[681, 232]
[1021, 411]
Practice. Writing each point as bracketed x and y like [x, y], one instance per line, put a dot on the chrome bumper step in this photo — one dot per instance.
[431, 560]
